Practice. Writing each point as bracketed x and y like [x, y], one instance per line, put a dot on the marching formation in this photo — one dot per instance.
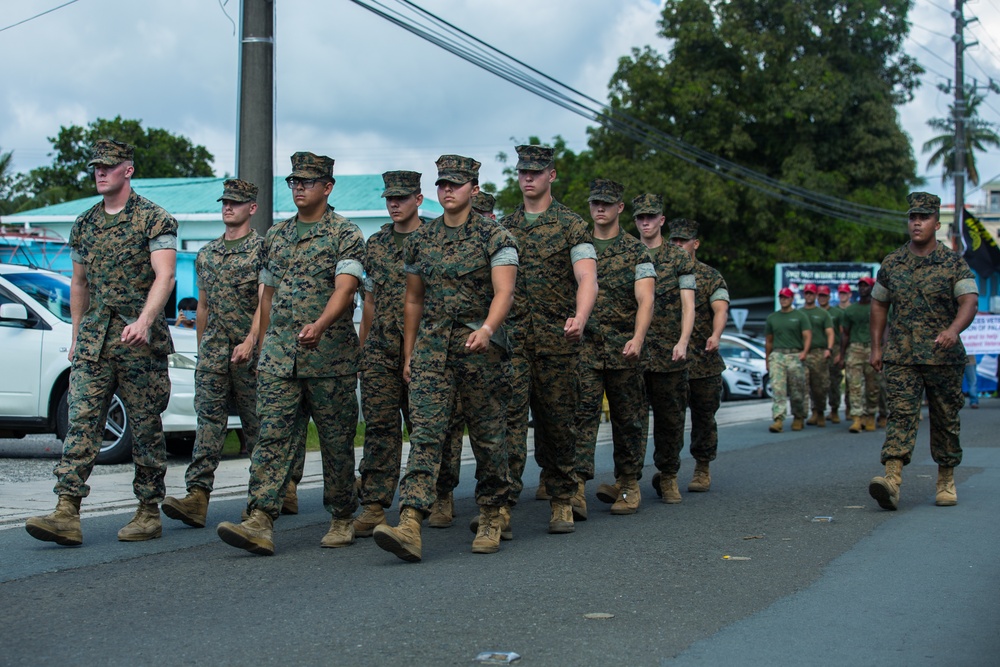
[468, 324]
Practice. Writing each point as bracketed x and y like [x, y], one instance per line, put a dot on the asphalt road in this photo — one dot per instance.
[868, 587]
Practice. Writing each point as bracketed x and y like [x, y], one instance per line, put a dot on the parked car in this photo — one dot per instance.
[747, 351]
[740, 380]
[35, 335]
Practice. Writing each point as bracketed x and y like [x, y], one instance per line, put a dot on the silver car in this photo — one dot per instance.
[744, 352]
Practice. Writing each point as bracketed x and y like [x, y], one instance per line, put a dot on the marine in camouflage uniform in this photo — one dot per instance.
[817, 362]
[836, 361]
[556, 289]
[309, 357]
[460, 270]
[610, 361]
[705, 364]
[124, 254]
[933, 298]
[856, 344]
[788, 335]
[228, 328]
[667, 347]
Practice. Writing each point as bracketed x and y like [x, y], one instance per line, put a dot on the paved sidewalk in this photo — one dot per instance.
[112, 493]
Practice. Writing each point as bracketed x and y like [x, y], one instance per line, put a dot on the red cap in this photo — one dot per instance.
[811, 287]
[824, 290]
[844, 287]
[868, 280]
[786, 292]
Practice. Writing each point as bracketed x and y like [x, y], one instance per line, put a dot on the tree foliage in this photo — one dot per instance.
[978, 135]
[158, 154]
[803, 91]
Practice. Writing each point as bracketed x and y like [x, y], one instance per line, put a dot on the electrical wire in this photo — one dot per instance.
[32, 18]
[428, 26]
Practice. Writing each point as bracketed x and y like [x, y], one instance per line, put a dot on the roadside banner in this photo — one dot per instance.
[983, 335]
[831, 274]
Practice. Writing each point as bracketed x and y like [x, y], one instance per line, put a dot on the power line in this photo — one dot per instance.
[432, 28]
[32, 18]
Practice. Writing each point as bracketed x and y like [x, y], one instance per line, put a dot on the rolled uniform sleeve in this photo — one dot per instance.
[687, 281]
[504, 257]
[163, 242]
[582, 251]
[645, 270]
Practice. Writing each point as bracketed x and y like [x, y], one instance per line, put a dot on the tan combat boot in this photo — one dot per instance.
[812, 421]
[290, 503]
[191, 509]
[506, 532]
[579, 502]
[61, 527]
[820, 419]
[668, 487]
[629, 498]
[145, 525]
[870, 423]
[797, 424]
[885, 490]
[856, 425]
[833, 417]
[404, 540]
[608, 493]
[371, 516]
[777, 425]
[442, 512]
[561, 519]
[882, 421]
[542, 493]
[487, 539]
[255, 534]
[946, 494]
[341, 534]
[701, 481]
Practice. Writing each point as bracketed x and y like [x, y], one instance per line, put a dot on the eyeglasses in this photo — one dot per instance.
[306, 183]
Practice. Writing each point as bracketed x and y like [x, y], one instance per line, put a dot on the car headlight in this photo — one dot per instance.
[176, 360]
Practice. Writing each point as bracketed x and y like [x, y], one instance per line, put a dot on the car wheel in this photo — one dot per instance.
[768, 389]
[62, 416]
[117, 445]
[725, 390]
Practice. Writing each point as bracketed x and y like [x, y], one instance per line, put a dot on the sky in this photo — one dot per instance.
[357, 88]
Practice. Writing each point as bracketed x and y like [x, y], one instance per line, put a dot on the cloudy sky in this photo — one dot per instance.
[355, 87]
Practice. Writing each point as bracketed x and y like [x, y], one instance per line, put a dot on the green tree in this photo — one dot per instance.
[158, 154]
[978, 135]
[803, 91]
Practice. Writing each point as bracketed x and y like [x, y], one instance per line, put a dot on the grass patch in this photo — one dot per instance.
[232, 445]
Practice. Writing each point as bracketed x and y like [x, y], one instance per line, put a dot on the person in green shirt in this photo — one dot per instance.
[836, 366]
[817, 362]
[788, 335]
[856, 348]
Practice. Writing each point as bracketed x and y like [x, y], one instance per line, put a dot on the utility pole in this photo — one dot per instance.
[255, 142]
[959, 38]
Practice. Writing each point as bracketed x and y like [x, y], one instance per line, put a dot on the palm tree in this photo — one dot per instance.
[978, 135]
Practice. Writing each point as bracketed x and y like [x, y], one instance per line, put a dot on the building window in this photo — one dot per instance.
[994, 201]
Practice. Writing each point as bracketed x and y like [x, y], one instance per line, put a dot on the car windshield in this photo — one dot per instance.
[50, 291]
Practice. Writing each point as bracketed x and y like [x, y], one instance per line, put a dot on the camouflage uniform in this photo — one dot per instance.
[295, 381]
[788, 378]
[455, 266]
[836, 370]
[923, 293]
[817, 364]
[603, 368]
[666, 379]
[227, 286]
[116, 254]
[705, 368]
[545, 364]
[862, 378]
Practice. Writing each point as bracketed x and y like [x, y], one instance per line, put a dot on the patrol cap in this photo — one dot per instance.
[682, 228]
[647, 204]
[235, 189]
[310, 165]
[786, 292]
[867, 280]
[401, 183]
[483, 202]
[844, 287]
[605, 190]
[811, 287]
[456, 169]
[823, 290]
[109, 152]
[532, 157]
[923, 202]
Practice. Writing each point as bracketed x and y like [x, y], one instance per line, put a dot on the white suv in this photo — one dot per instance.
[35, 334]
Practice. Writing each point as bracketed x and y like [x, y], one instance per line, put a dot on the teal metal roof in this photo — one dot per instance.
[197, 197]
